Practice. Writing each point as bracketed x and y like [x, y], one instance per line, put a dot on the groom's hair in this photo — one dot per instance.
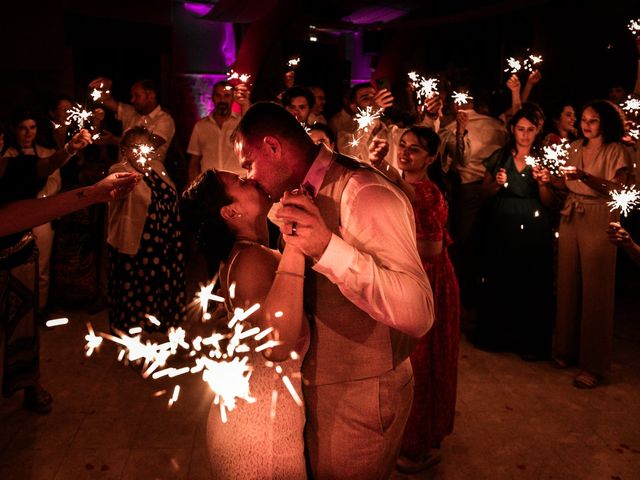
[201, 206]
[270, 119]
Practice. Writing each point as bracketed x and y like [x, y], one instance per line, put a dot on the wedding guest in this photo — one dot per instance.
[587, 262]
[145, 244]
[435, 359]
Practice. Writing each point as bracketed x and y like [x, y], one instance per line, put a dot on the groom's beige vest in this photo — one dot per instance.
[346, 343]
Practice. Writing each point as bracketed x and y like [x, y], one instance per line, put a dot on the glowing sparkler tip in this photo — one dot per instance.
[624, 200]
[461, 98]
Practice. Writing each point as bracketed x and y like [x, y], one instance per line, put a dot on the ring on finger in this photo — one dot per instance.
[294, 229]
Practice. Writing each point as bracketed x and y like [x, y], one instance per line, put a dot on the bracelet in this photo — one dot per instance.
[293, 274]
[66, 150]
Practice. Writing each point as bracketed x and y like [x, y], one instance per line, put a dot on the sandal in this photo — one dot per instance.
[585, 380]
[38, 400]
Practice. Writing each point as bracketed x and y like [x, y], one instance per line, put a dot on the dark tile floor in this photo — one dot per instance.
[514, 419]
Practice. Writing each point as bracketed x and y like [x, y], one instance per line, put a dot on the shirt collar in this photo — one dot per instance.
[318, 170]
[155, 112]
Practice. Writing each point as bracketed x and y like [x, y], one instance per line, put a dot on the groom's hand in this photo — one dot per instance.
[303, 226]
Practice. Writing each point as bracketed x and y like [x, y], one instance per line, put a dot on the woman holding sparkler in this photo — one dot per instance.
[145, 243]
[435, 359]
[586, 260]
[516, 297]
[263, 439]
[24, 170]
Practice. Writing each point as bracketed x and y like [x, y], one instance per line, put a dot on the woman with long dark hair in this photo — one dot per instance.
[435, 359]
[229, 217]
[516, 301]
[597, 164]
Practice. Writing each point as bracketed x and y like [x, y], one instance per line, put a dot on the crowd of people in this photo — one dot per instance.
[367, 249]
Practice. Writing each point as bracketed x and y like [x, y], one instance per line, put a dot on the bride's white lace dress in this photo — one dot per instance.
[261, 440]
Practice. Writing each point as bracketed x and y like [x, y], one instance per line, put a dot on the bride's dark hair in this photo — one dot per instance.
[202, 202]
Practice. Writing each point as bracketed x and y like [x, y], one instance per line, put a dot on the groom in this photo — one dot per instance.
[365, 290]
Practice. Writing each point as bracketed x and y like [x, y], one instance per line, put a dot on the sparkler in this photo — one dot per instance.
[624, 200]
[236, 78]
[461, 98]
[553, 159]
[143, 154]
[425, 88]
[221, 358]
[634, 26]
[631, 105]
[367, 118]
[78, 116]
[96, 93]
[293, 63]
[530, 63]
[513, 65]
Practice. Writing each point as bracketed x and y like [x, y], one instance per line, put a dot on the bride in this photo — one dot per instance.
[264, 439]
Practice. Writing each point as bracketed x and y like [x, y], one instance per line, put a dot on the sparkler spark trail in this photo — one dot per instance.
[634, 26]
[460, 98]
[93, 341]
[56, 322]
[354, 142]
[222, 358]
[624, 200]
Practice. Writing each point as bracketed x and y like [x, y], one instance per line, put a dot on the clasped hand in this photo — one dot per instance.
[303, 226]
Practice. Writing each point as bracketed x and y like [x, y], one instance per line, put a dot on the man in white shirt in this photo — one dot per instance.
[210, 145]
[317, 112]
[144, 111]
[366, 291]
[466, 143]
[349, 139]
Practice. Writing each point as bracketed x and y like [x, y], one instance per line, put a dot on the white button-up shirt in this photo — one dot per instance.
[157, 122]
[374, 261]
[214, 144]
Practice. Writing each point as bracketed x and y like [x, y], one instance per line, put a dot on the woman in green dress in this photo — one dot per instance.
[516, 300]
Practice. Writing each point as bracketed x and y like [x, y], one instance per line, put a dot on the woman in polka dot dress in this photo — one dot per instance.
[145, 244]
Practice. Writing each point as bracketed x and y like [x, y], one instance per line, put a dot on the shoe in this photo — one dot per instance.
[38, 400]
[585, 380]
[407, 465]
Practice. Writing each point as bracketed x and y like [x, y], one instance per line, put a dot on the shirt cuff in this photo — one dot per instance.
[336, 259]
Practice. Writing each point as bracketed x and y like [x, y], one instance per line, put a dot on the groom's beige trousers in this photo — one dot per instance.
[354, 429]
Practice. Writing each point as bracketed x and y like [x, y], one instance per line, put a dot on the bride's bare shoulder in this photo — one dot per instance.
[252, 270]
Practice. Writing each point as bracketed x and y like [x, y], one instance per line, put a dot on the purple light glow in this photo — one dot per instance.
[201, 85]
[369, 15]
[198, 9]
[229, 44]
